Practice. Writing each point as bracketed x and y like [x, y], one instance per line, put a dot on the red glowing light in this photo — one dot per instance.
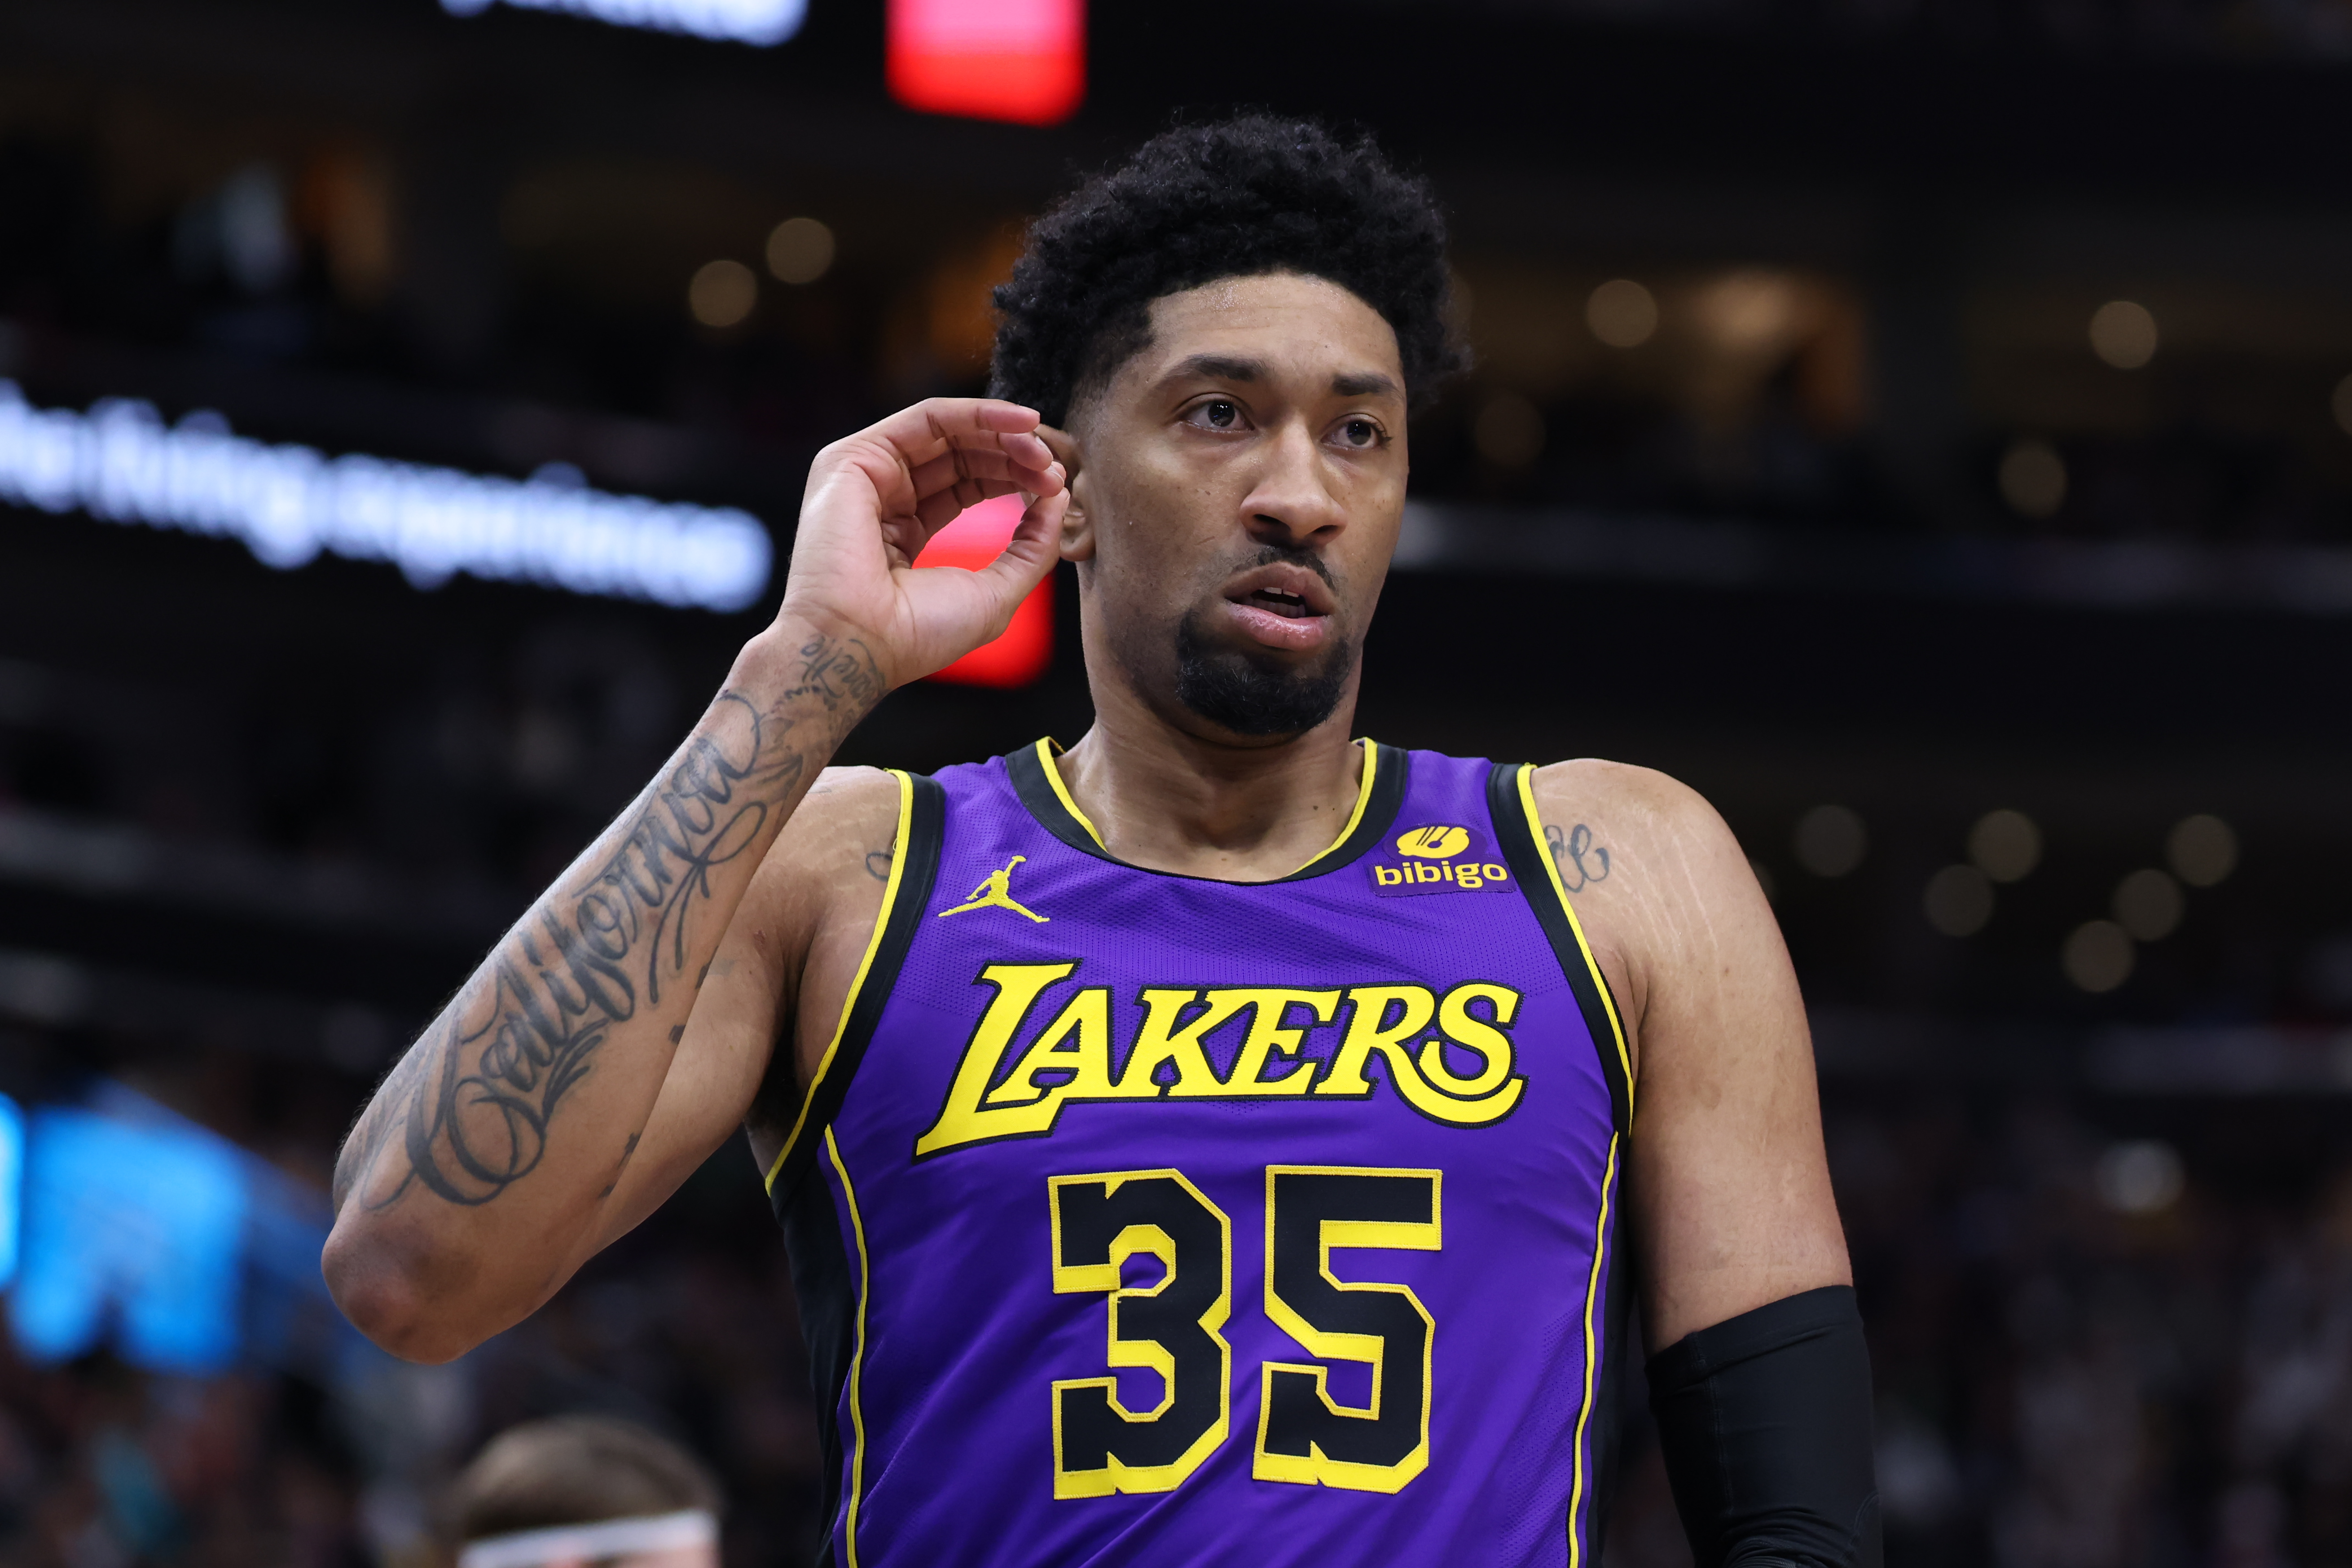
[1022, 60]
[1022, 654]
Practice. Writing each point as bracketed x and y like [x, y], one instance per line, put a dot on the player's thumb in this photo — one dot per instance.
[1027, 558]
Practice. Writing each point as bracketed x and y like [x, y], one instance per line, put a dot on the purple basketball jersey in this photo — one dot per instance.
[1143, 1219]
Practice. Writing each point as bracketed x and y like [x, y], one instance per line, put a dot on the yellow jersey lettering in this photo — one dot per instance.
[1410, 1028]
[1372, 1029]
[961, 1118]
[1431, 1087]
[1494, 1047]
[1389, 1018]
[1270, 1031]
[1078, 1042]
[1162, 1041]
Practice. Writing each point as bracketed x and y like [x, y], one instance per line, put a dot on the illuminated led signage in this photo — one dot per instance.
[1022, 60]
[1020, 656]
[758, 22]
[120, 463]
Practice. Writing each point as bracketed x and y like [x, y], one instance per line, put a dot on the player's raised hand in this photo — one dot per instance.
[875, 498]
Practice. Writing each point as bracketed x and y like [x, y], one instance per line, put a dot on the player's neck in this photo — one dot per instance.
[1171, 801]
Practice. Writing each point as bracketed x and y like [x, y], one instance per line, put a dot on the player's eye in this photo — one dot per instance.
[1216, 414]
[1361, 434]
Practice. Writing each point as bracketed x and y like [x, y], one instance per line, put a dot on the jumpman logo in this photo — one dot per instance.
[994, 894]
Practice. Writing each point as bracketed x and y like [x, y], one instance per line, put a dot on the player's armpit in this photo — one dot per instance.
[1729, 1188]
[1765, 1424]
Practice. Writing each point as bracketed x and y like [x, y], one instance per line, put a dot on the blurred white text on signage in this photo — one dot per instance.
[758, 22]
[122, 463]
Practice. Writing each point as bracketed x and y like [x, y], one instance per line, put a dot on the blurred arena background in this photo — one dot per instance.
[1926, 425]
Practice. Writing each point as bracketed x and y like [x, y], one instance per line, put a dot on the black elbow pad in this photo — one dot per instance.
[1765, 1421]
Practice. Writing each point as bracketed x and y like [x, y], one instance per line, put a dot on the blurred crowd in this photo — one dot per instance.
[2084, 1360]
[686, 1327]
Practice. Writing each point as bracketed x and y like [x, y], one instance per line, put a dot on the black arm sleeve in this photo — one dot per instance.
[1765, 1422]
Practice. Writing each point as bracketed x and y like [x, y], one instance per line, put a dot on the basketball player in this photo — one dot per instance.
[1251, 1165]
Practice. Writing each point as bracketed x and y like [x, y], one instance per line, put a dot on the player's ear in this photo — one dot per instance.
[1077, 531]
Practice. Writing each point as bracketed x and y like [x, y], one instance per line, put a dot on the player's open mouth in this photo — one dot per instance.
[1284, 607]
[1288, 606]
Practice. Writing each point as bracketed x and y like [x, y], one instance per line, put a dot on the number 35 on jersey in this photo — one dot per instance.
[1171, 1326]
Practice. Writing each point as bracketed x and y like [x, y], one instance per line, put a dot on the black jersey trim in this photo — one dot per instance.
[833, 1291]
[914, 868]
[1585, 1496]
[824, 1287]
[1376, 813]
[1039, 785]
[1034, 780]
[1510, 802]
[1610, 1399]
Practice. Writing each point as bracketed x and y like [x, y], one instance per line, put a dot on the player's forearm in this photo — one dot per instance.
[473, 1184]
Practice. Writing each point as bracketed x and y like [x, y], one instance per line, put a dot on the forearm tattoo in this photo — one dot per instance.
[468, 1109]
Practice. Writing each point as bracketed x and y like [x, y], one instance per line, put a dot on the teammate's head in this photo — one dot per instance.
[573, 1490]
[1231, 328]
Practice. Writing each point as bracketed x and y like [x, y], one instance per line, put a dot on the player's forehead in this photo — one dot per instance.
[1301, 335]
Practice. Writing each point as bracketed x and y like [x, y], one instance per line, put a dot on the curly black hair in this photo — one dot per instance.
[1238, 198]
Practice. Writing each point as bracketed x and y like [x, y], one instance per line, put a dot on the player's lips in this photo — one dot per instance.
[1281, 606]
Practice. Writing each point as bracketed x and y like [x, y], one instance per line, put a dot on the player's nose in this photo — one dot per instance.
[1291, 503]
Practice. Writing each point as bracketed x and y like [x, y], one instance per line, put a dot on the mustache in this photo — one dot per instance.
[1293, 555]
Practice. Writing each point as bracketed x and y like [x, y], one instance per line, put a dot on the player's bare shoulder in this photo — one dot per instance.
[1648, 864]
[1611, 825]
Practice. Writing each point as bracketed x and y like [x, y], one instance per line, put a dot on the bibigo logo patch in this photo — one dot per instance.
[1441, 858]
[1438, 842]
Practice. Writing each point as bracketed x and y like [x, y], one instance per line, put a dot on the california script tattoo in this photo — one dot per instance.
[1581, 862]
[470, 1104]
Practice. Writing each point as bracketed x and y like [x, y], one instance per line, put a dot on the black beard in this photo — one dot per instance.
[1256, 697]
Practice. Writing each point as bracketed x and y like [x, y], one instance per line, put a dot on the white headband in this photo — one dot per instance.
[593, 1543]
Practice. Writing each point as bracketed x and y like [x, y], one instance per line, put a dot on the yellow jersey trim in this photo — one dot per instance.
[856, 1357]
[1591, 1374]
[1363, 799]
[1599, 981]
[1046, 750]
[864, 965]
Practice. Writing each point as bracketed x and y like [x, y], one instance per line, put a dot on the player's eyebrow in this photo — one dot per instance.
[1219, 367]
[1364, 383]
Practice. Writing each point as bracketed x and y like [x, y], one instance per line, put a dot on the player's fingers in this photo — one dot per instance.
[954, 468]
[1024, 449]
[1001, 414]
[938, 425]
[1024, 563]
[935, 512]
[1061, 443]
